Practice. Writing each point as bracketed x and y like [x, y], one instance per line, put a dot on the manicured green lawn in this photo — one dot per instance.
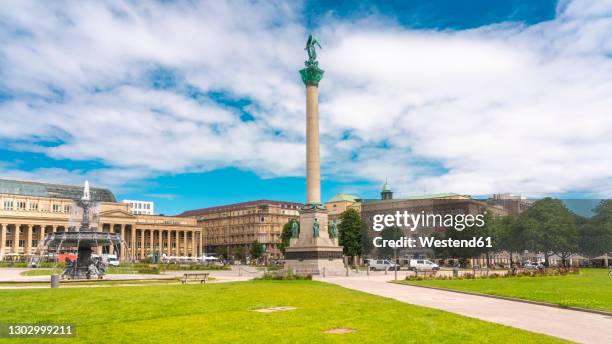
[592, 288]
[222, 313]
[42, 272]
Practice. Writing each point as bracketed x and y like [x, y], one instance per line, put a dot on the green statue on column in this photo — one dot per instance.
[312, 74]
[295, 229]
[333, 230]
[310, 48]
[315, 228]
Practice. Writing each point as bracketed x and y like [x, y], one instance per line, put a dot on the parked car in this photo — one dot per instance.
[382, 264]
[533, 265]
[423, 264]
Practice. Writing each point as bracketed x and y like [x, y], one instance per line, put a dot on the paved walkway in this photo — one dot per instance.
[568, 324]
[11, 275]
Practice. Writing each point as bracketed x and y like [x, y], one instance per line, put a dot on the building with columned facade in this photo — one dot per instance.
[29, 210]
[227, 228]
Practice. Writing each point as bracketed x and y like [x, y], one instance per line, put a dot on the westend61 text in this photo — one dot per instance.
[406, 242]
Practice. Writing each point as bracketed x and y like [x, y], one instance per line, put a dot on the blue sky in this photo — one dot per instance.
[195, 105]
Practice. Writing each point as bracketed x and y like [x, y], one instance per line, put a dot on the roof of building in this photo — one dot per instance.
[236, 206]
[431, 196]
[342, 197]
[36, 189]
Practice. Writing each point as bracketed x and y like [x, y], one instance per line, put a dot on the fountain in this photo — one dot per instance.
[84, 240]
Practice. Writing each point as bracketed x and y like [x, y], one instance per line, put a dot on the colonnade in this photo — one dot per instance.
[19, 240]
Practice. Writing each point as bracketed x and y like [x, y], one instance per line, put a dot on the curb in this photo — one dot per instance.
[507, 298]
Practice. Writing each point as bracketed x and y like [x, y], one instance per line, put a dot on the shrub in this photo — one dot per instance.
[284, 276]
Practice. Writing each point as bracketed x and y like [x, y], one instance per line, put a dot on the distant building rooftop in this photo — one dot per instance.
[343, 197]
[236, 206]
[36, 189]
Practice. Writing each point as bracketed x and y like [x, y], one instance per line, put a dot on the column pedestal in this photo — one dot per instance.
[311, 255]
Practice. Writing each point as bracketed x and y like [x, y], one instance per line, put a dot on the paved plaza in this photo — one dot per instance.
[236, 274]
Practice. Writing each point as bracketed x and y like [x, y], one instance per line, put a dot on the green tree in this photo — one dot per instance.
[349, 233]
[389, 233]
[509, 236]
[550, 227]
[221, 251]
[257, 249]
[366, 241]
[239, 253]
[456, 252]
[285, 236]
[489, 229]
[596, 233]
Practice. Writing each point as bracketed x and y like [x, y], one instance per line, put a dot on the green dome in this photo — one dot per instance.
[386, 187]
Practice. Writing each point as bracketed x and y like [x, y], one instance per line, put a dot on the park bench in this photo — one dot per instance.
[202, 277]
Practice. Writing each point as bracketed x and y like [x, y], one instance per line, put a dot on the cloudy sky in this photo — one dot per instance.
[192, 104]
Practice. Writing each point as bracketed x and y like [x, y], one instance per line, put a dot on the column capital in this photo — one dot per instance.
[312, 74]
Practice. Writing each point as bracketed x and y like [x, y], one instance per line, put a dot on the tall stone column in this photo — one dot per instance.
[201, 252]
[142, 244]
[133, 242]
[16, 239]
[313, 161]
[185, 246]
[161, 242]
[151, 241]
[313, 250]
[111, 229]
[28, 240]
[194, 250]
[123, 242]
[2, 241]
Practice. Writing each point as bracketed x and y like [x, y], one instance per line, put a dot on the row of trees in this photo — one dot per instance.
[547, 226]
[256, 250]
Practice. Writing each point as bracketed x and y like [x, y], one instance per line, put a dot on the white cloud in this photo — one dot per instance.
[499, 108]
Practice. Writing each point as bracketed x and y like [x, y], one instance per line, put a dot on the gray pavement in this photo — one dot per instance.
[572, 325]
[10, 275]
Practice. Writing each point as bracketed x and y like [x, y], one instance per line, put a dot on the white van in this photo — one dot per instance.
[112, 260]
[382, 264]
[423, 264]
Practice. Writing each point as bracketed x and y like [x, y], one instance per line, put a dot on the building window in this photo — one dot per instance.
[33, 206]
[67, 208]
[57, 208]
[21, 205]
[8, 205]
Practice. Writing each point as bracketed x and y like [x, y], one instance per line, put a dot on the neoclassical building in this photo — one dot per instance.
[29, 210]
[228, 228]
[340, 203]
